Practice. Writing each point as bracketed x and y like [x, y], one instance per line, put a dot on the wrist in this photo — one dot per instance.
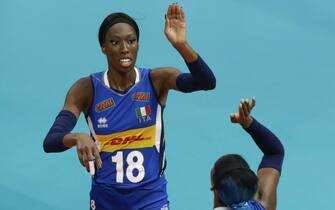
[186, 51]
[181, 46]
[71, 139]
[247, 123]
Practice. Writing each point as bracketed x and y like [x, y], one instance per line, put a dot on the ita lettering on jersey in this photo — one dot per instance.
[143, 114]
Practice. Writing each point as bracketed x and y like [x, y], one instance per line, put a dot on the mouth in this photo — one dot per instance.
[125, 62]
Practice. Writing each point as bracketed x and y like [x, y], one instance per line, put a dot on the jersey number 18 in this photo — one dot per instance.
[134, 160]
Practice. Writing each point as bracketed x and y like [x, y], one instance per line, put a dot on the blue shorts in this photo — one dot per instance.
[152, 196]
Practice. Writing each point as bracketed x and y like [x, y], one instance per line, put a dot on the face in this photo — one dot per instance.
[121, 47]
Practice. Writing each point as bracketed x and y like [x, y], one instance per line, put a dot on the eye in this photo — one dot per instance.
[132, 41]
[114, 42]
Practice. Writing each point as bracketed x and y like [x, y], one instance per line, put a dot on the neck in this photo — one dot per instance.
[121, 81]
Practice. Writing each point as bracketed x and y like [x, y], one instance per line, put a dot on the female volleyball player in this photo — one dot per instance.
[123, 107]
[234, 184]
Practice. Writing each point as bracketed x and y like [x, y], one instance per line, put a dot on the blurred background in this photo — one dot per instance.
[282, 52]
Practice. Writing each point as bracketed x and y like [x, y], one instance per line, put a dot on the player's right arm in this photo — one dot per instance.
[60, 138]
[270, 167]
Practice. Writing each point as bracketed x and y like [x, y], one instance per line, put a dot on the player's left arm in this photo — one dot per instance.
[269, 169]
[200, 77]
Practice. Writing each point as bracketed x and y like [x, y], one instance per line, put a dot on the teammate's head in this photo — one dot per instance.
[114, 18]
[232, 180]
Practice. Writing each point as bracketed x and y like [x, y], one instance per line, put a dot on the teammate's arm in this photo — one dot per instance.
[60, 138]
[200, 76]
[270, 166]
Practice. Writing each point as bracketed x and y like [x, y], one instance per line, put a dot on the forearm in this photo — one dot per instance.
[269, 144]
[186, 51]
[59, 137]
[200, 77]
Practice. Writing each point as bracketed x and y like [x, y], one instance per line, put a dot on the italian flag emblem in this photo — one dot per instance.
[143, 111]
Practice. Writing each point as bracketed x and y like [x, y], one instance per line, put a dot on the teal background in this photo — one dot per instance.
[282, 52]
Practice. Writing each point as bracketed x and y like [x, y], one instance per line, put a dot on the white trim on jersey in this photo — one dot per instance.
[106, 82]
[158, 132]
[163, 163]
[90, 125]
[222, 208]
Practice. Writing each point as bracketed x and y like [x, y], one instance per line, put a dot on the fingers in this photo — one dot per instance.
[169, 12]
[80, 157]
[245, 107]
[248, 106]
[91, 167]
[98, 160]
[252, 103]
[88, 154]
[234, 117]
[182, 14]
[84, 155]
[174, 11]
[241, 112]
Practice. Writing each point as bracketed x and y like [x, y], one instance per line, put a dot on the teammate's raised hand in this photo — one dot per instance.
[243, 115]
[175, 25]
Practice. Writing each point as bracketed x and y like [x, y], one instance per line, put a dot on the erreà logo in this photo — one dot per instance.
[106, 104]
[141, 96]
[102, 122]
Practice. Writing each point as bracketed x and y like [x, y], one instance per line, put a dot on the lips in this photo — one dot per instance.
[125, 62]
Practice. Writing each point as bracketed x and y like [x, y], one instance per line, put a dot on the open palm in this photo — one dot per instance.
[175, 25]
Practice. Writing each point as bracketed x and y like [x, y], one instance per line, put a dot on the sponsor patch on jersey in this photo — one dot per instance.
[106, 104]
[141, 96]
[130, 139]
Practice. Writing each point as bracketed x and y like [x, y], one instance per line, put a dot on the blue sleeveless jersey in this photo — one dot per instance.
[128, 130]
[250, 205]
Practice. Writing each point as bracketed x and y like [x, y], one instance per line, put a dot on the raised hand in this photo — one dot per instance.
[175, 25]
[243, 115]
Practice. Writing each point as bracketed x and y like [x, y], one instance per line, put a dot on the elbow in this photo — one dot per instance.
[281, 149]
[46, 147]
[211, 84]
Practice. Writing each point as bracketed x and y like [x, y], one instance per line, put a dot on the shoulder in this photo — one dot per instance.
[78, 98]
[84, 82]
[81, 86]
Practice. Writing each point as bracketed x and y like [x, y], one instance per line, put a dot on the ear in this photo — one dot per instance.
[103, 49]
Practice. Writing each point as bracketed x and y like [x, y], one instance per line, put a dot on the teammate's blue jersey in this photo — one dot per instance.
[128, 131]
[250, 205]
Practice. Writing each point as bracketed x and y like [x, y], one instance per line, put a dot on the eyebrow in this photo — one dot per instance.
[119, 36]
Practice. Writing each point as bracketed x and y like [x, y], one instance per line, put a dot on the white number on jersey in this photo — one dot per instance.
[132, 165]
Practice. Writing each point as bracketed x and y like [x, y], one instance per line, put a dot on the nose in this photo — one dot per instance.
[124, 48]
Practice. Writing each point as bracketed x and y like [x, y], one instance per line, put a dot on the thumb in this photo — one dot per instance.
[233, 117]
[167, 22]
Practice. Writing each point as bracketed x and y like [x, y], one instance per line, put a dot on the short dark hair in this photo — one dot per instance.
[117, 17]
[234, 181]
